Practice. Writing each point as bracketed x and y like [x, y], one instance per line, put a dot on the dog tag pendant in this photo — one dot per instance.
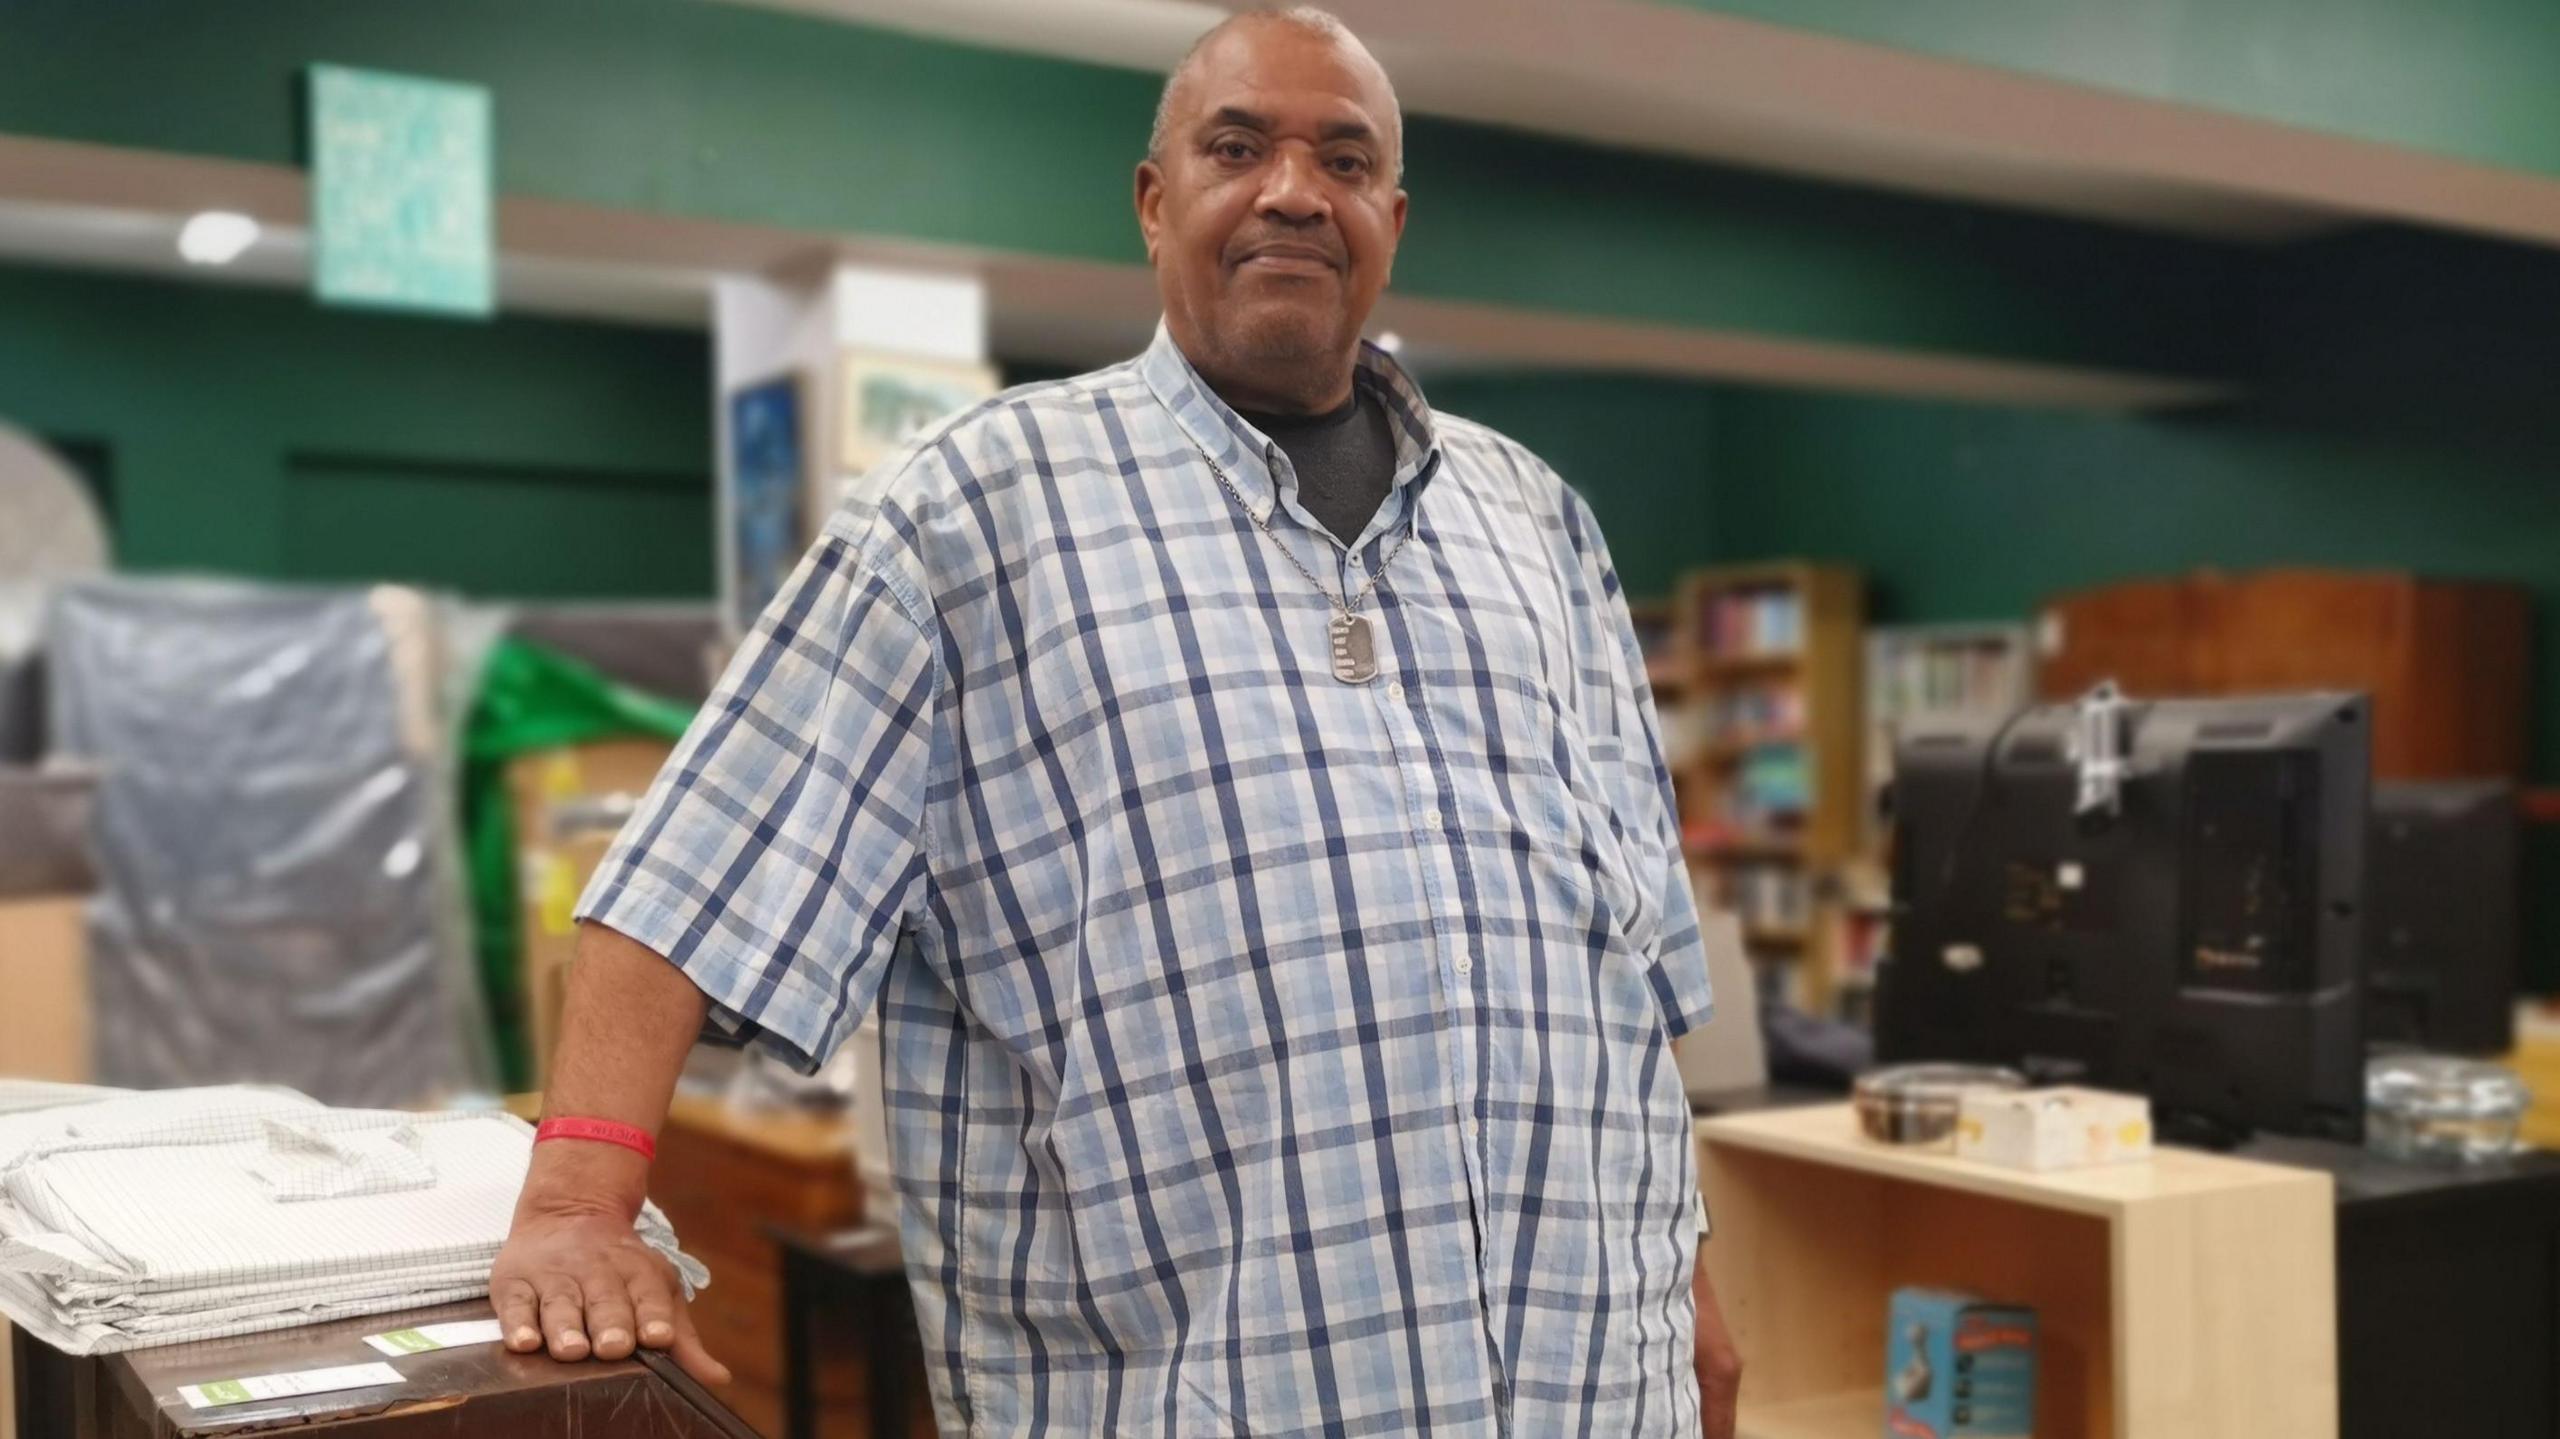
[1355, 650]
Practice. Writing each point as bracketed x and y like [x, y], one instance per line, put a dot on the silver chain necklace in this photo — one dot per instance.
[1354, 641]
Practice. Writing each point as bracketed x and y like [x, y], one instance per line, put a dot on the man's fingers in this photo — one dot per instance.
[664, 1323]
[610, 1327]
[653, 1298]
[563, 1317]
[514, 1301]
[692, 1358]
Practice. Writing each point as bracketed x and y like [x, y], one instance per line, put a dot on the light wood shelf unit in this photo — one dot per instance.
[1812, 655]
[2190, 1296]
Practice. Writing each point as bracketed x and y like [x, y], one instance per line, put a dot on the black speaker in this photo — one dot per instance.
[2442, 911]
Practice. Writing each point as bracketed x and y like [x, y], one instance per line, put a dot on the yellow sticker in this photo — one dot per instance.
[560, 777]
[556, 896]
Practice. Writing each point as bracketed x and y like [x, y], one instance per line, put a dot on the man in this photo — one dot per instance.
[1237, 787]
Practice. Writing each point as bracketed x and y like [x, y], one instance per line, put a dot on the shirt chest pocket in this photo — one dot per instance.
[1532, 776]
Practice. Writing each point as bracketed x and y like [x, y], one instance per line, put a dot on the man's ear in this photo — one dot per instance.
[1395, 212]
[1150, 197]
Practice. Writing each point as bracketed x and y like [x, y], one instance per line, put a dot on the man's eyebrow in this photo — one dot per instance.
[1232, 115]
[1241, 118]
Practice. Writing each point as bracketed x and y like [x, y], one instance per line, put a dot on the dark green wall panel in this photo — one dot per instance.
[487, 529]
[202, 400]
[739, 113]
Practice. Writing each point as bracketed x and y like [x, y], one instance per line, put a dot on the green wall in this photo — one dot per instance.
[739, 113]
[2465, 78]
[247, 431]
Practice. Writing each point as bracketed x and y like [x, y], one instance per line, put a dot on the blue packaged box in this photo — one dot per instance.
[1958, 1367]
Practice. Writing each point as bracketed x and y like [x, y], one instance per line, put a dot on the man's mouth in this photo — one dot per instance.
[1289, 260]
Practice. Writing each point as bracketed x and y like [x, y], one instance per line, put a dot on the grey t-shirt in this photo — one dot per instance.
[1345, 459]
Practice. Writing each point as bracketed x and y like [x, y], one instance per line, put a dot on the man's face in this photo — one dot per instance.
[1272, 215]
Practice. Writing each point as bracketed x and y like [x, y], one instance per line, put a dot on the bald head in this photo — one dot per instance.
[1307, 20]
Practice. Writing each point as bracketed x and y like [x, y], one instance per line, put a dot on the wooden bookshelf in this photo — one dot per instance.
[1749, 664]
[1764, 727]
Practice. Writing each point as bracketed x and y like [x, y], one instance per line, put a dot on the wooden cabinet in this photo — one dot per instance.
[2143, 634]
[2446, 662]
[2187, 1296]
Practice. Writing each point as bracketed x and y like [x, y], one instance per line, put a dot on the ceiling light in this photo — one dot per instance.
[217, 237]
[1390, 341]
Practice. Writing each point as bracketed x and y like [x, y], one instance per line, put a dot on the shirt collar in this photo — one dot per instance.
[1244, 452]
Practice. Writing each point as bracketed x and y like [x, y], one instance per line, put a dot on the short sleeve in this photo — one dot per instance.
[781, 853]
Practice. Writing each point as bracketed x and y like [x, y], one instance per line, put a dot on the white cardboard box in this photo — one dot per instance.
[2043, 1129]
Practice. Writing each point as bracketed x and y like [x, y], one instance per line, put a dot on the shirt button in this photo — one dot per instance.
[1395, 689]
[1471, 1131]
[1466, 962]
[1431, 820]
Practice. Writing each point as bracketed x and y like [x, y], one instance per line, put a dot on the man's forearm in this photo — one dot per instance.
[629, 1019]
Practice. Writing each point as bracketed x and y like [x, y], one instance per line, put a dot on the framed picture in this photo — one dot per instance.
[761, 513]
[888, 399]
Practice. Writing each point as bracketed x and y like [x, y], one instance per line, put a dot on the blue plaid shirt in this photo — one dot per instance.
[1264, 1053]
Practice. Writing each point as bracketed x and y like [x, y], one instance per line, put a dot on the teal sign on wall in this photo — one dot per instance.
[401, 195]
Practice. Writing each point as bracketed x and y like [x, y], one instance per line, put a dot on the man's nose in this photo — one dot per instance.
[1293, 189]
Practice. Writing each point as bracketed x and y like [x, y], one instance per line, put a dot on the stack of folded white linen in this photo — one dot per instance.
[130, 1219]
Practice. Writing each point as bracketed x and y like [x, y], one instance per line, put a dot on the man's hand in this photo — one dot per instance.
[574, 1276]
[584, 1284]
[1719, 1363]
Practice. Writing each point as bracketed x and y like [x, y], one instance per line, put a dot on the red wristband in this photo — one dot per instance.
[602, 1131]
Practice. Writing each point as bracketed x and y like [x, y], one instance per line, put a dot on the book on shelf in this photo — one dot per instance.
[1745, 711]
[1946, 669]
[1771, 900]
[1773, 783]
[1752, 622]
[1715, 838]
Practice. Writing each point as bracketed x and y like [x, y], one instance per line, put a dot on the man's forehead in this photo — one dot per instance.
[1286, 76]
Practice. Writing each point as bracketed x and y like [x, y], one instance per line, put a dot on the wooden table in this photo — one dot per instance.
[471, 1390]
